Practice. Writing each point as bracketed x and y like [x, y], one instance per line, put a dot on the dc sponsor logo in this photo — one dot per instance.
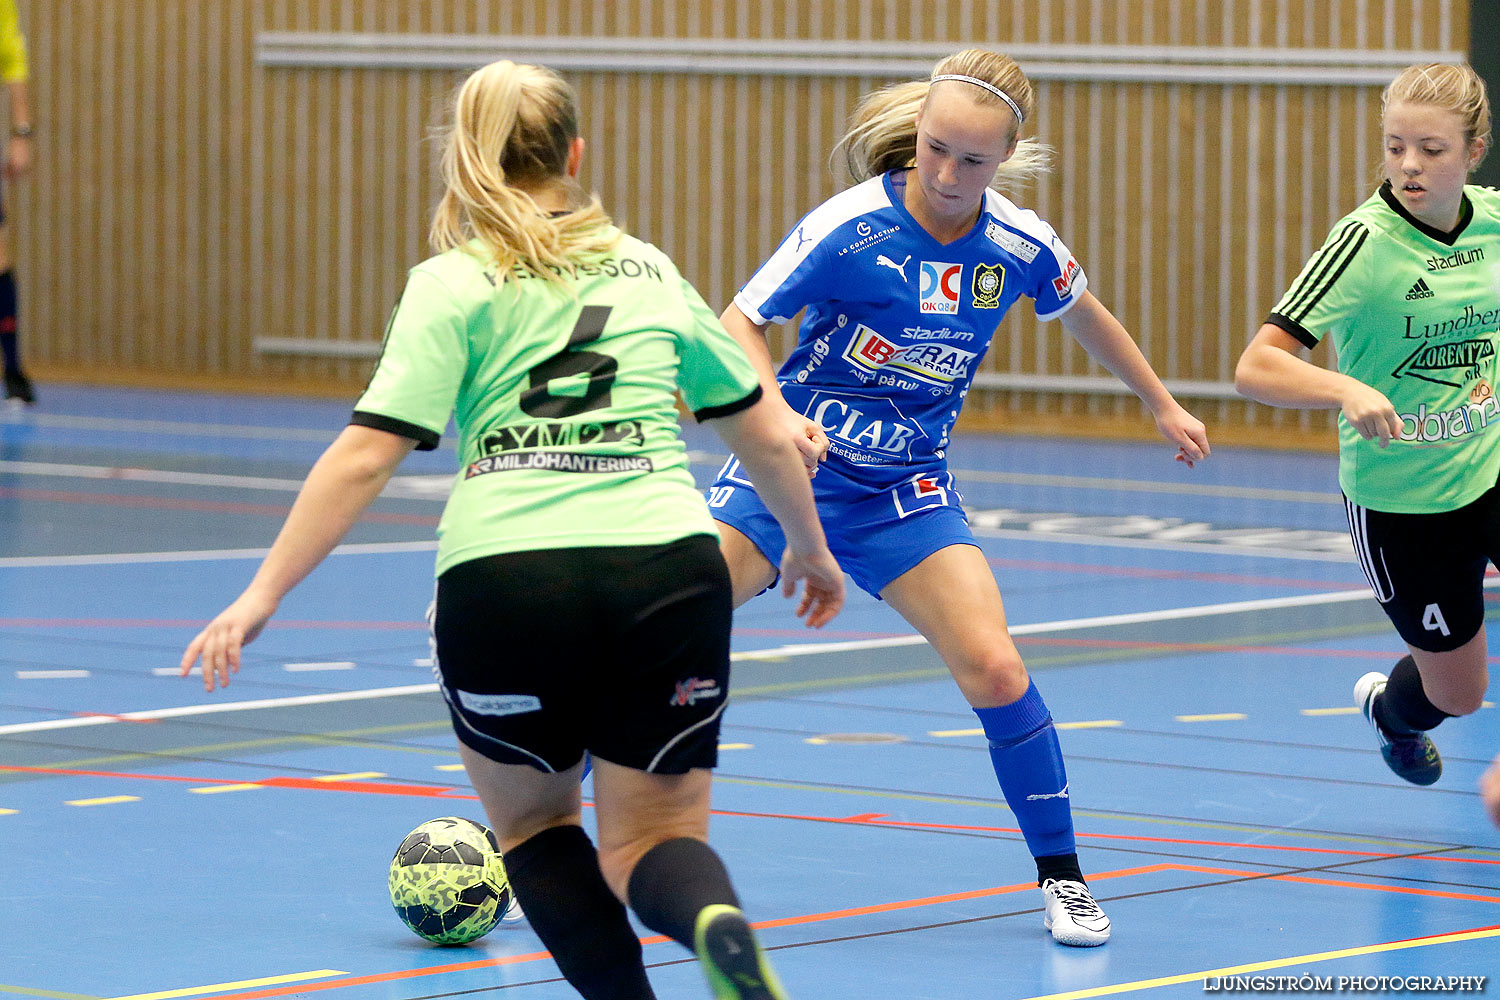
[1419, 291]
[940, 287]
[988, 283]
[1063, 283]
[692, 691]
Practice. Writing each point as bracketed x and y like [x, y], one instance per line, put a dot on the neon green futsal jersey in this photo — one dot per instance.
[1414, 313]
[567, 423]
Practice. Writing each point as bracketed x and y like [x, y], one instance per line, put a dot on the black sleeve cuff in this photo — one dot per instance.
[426, 439]
[729, 409]
[1294, 328]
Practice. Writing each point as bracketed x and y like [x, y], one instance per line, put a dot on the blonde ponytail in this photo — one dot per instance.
[511, 130]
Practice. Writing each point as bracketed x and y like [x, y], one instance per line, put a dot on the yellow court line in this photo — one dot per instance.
[448, 767]
[45, 994]
[107, 800]
[1094, 724]
[8, 812]
[1221, 717]
[955, 732]
[295, 977]
[1351, 710]
[216, 789]
[356, 776]
[736, 746]
[1277, 963]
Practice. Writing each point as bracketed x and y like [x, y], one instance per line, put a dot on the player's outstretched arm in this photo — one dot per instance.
[1272, 372]
[758, 436]
[811, 441]
[1109, 343]
[343, 482]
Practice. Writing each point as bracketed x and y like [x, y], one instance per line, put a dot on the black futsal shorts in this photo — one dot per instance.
[619, 651]
[1427, 570]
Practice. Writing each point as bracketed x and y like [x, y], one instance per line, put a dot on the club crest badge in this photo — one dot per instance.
[988, 283]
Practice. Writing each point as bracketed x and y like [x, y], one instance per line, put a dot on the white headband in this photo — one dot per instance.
[1020, 118]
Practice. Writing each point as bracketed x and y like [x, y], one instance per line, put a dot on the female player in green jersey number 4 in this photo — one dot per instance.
[582, 604]
[1409, 286]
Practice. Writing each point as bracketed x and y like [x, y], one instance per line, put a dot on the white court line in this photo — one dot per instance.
[192, 429]
[297, 668]
[780, 652]
[214, 708]
[206, 555]
[1162, 545]
[47, 675]
[428, 484]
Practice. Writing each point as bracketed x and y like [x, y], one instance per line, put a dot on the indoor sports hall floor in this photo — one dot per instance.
[1196, 634]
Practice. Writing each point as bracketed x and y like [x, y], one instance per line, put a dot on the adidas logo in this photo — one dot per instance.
[1419, 291]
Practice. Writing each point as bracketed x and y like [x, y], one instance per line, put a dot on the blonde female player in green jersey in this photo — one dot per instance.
[1409, 286]
[582, 605]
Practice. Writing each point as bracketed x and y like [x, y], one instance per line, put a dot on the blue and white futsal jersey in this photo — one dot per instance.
[896, 322]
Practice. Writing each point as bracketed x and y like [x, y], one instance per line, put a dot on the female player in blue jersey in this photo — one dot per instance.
[905, 278]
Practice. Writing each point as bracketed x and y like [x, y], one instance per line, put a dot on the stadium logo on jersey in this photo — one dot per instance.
[1419, 291]
[1460, 361]
[1063, 283]
[988, 283]
[940, 287]
[1009, 241]
[935, 364]
[1457, 258]
[692, 691]
[883, 261]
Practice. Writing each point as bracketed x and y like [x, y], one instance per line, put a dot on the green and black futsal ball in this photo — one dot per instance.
[448, 881]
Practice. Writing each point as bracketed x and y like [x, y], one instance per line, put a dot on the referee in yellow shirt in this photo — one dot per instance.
[17, 161]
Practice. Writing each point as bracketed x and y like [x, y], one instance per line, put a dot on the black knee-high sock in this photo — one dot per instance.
[1402, 707]
[9, 344]
[672, 884]
[556, 876]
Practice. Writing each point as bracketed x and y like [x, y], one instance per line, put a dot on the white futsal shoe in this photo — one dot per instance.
[1072, 915]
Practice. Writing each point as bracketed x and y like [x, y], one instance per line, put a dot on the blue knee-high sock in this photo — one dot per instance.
[1029, 764]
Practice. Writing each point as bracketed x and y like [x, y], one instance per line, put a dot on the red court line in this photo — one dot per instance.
[117, 718]
[1343, 884]
[1142, 572]
[906, 904]
[870, 819]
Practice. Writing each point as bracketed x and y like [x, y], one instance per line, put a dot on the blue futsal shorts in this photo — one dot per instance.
[876, 533]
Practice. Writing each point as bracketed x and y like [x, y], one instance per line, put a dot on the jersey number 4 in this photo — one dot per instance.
[573, 381]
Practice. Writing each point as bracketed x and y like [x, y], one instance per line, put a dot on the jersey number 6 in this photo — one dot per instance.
[585, 376]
